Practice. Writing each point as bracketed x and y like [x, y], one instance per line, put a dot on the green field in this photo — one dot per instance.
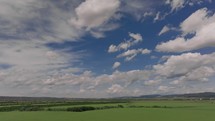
[132, 111]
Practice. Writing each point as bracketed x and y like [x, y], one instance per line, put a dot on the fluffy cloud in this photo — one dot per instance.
[187, 67]
[184, 68]
[112, 49]
[176, 4]
[127, 78]
[116, 65]
[92, 14]
[88, 82]
[137, 37]
[198, 20]
[130, 54]
[201, 23]
[134, 39]
[115, 89]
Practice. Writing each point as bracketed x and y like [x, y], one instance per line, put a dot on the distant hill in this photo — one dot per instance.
[8, 98]
[204, 95]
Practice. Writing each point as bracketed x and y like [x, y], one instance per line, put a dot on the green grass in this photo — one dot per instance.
[180, 111]
[92, 105]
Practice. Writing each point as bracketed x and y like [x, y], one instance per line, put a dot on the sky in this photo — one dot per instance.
[106, 48]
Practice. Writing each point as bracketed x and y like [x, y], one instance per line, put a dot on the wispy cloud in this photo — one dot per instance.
[166, 29]
[131, 54]
[134, 39]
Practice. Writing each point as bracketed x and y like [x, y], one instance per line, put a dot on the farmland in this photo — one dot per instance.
[129, 110]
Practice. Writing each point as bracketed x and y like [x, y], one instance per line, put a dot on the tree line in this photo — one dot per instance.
[69, 109]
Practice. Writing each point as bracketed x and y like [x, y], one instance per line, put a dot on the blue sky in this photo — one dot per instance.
[106, 48]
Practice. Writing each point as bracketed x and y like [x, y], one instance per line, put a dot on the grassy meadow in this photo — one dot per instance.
[131, 111]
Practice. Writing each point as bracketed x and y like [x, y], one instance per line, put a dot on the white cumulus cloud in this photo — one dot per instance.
[187, 67]
[137, 37]
[130, 54]
[134, 39]
[116, 88]
[116, 65]
[94, 13]
[201, 24]
[176, 4]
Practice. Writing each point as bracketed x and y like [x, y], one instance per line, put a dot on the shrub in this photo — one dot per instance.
[80, 109]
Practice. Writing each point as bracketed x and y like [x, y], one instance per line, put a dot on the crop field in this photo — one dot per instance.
[125, 111]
